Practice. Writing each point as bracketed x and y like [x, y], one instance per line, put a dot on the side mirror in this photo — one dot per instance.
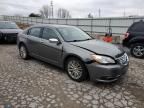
[53, 40]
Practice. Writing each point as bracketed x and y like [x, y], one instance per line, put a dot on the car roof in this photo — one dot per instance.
[51, 25]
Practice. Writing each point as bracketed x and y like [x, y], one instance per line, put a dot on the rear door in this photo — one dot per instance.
[50, 52]
[34, 40]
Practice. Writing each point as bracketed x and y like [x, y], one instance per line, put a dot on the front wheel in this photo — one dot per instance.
[76, 70]
[23, 52]
[137, 50]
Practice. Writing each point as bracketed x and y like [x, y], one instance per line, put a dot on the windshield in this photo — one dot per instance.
[8, 25]
[73, 34]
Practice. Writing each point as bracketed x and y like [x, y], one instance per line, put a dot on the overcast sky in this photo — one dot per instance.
[77, 8]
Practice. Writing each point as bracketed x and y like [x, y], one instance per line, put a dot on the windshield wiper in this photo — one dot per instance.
[88, 39]
[10, 28]
[80, 40]
[74, 40]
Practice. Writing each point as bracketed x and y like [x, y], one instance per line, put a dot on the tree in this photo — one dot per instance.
[90, 15]
[34, 15]
[63, 13]
[45, 11]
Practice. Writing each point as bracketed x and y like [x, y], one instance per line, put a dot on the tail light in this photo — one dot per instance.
[126, 35]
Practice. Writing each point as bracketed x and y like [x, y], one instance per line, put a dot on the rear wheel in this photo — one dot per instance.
[76, 69]
[137, 50]
[23, 52]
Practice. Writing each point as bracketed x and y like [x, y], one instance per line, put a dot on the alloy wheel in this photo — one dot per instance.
[23, 52]
[75, 69]
[138, 51]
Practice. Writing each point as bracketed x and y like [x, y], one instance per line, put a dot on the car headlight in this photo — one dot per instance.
[103, 59]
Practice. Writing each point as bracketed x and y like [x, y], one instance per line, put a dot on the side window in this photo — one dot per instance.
[137, 27]
[35, 32]
[48, 33]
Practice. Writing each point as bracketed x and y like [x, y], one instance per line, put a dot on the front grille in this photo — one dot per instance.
[10, 34]
[9, 37]
[123, 60]
[0, 35]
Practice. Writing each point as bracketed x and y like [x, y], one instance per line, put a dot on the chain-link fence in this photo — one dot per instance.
[118, 26]
[1, 18]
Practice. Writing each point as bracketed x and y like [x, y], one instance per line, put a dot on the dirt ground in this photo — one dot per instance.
[35, 84]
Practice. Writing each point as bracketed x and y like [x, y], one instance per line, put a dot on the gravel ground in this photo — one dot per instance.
[35, 84]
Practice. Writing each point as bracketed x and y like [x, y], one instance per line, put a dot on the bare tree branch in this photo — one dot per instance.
[90, 15]
[63, 13]
[45, 11]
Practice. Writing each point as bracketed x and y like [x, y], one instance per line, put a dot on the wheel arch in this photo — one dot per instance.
[21, 43]
[77, 57]
[71, 56]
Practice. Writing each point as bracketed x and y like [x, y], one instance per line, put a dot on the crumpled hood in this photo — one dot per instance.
[99, 47]
[10, 30]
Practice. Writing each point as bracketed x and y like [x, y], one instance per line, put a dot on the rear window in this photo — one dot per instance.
[137, 27]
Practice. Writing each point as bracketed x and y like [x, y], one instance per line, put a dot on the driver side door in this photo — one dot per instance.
[50, 52]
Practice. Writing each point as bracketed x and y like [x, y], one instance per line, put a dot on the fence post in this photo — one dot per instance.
[19, 20]
[91, 26]
[77, 22]
[42, 20]
[27, 20]
[49, 20]
[31, 20]
[110, 29]
[22, 20]
[66, 21]
[57, 21]
[133, 20]
[11, 18]
[36, 20]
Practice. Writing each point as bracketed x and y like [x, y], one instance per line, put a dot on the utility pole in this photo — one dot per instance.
[99, 13]
[52, 9]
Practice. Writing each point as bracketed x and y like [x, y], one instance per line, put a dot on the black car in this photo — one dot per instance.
[8, 31]
[134, 39]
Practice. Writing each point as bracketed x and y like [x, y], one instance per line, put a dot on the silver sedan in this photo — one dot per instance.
[75, 51]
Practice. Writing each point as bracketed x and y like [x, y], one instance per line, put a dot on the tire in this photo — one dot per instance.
[76, 69]
[137, 50]
[23, 52]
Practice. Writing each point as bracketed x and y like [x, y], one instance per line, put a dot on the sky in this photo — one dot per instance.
[77, 8]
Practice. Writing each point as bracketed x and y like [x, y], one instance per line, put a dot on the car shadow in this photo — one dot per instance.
[47, 65]
[7, 43]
